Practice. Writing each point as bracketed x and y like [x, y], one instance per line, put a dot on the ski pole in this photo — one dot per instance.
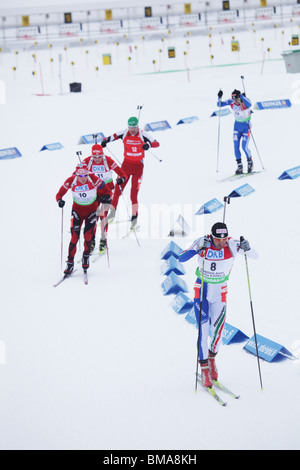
[103, 227]
[251, 133]
[242, 77]
[139, 108]
[136, 237]
[79, 153]
[227, 201]
[62, 237]
[200, 315]
[115, 158]
[154, 156]
[252, 314]
[219, 128]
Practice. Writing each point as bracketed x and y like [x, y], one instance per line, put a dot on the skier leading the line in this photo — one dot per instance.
[88, 193]
[135, 141]
[220, 251]
[240, 107]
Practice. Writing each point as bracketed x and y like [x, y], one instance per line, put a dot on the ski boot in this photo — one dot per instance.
[212, 366]
[250, 165]
[205, 374]
[85, 261]
[70, 267]
[133, 222]
[102, 246]
[239, 169]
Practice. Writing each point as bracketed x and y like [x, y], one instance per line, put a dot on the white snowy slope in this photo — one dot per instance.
[111, 365]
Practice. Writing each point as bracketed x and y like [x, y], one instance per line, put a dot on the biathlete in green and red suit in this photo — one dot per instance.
[135, 141]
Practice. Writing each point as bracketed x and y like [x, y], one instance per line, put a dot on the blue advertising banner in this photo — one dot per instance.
[55, 146]
[188, 120]
[9, 153]
[231, 334]
[274, 104]
[191, 318]
[211, 206]
[181, 303]
[89, 138]
[157, 126]
[221, 112]
[172, 264]
[244, 190]
[291, 174]
[172, 249]
[267, 349]
[173, 284]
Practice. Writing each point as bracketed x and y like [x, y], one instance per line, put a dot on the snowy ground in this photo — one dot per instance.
[110, 365]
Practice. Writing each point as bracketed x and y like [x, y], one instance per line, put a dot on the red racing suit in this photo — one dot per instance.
[133, 162]
[86, 199]
[104, 170]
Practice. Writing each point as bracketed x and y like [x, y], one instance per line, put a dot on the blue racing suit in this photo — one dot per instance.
[242, 125]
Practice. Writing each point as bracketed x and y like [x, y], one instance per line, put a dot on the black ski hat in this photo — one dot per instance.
[219, 230]
[236, 93]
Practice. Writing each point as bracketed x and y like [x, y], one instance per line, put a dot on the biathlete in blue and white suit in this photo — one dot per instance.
[240, 107]
[219, 251]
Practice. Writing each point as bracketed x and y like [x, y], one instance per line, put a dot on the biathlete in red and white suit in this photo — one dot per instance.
[220, 252]
[103, 166]
[88, 192]
[240, 107]
[135, 141]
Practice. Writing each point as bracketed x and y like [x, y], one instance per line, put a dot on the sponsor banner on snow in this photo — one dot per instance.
[172, 249]
[267, 349]
[188, 120]
[54, 146]
[173, 284]
[231, 334]
[90, 139]
[181, 303]
[172, 265]
[244, 190]
[290, 174]
[273, 104]
[221, 112]
[211, 206]
[157, 126]
[9, 153]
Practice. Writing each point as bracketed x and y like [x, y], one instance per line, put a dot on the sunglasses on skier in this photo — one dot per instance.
[218, 238]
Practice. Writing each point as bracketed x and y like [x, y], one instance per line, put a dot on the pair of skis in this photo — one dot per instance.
[239, 176]
[211, 391]
[66, 276]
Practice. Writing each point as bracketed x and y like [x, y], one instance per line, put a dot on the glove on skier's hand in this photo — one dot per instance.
[61, 203]
[105, 199]
[121, 180]
[245, 245]
[204, 242]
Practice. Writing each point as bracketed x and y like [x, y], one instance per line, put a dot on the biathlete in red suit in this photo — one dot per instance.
[103, 167]
[88, 192]
[135, 141]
